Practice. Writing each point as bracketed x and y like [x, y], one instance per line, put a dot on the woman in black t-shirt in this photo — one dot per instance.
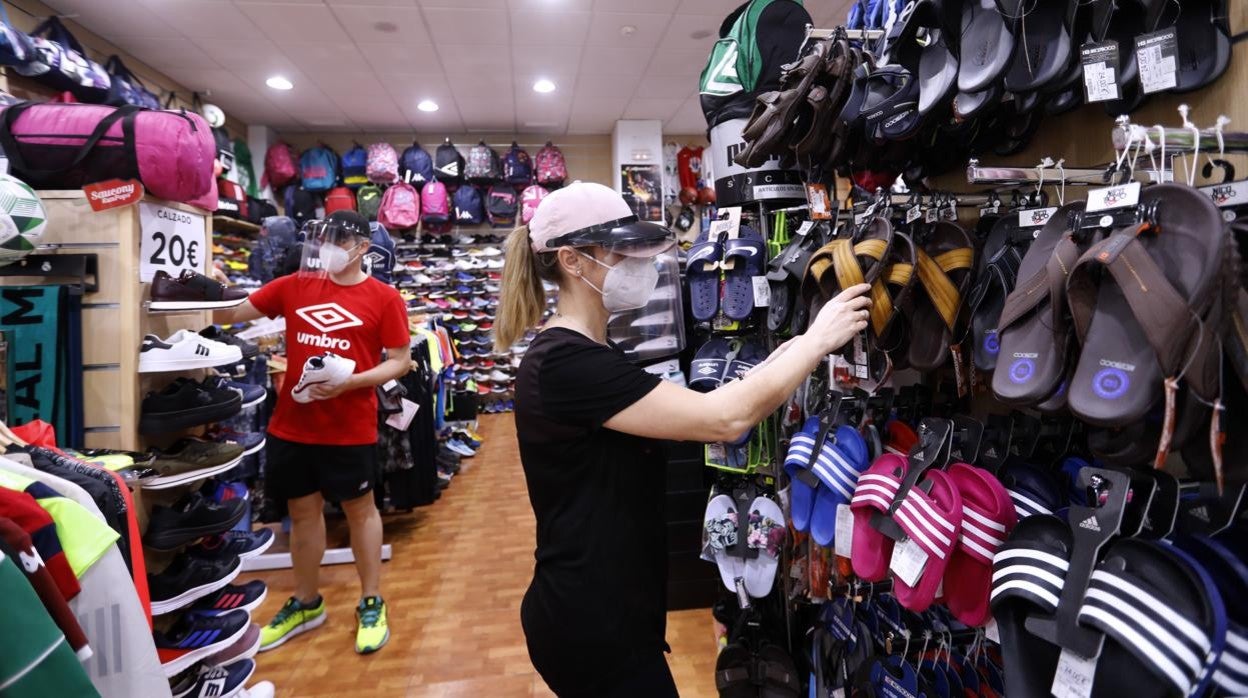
[588, 420]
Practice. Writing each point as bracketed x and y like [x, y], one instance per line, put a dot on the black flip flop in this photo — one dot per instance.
[1042, 47]
[1204, 42]
[986, 47]
[997, 274]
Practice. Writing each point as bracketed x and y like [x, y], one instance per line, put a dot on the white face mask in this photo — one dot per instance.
[333, 258]
[629, 283]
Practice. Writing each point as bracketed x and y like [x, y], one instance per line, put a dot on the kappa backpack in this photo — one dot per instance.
[368, 199]
[449, 164]
[380, 257]
[400, 207]
[339, 199]
[468, 207]
[354, 164]
[529, 199]
[484, 166]
[517, 167]
[550, 166]
[383, 164]
[416, 167]
[435, 204]
[500, 204]
[280, 166]
[318, 168]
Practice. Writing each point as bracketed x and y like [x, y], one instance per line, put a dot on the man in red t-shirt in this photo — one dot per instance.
[323, 445]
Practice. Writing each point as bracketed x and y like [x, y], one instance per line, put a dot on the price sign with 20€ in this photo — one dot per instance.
[170, 240]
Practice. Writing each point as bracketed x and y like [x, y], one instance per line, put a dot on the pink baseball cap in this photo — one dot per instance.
[585, 214]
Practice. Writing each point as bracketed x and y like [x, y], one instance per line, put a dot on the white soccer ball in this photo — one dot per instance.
[22, 219]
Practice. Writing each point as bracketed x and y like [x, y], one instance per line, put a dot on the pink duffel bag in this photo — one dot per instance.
[64, 146]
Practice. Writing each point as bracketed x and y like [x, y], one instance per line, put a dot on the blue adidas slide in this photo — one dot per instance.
[802, 482]
[838, 466]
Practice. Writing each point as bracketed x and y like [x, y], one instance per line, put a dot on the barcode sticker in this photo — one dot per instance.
[1157, 55]
[844, 540]
[913, 213]
[1074, 676]
[908, 561]
[762, 292]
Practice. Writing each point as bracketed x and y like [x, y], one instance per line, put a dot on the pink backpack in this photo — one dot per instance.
[549, 166]
[281, 167]
[400, 207]
[435, 203]
[383, 163]
[529, 199]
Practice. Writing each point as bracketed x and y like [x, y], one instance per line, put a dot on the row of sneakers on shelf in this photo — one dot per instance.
[192, 459]
[462, 240]
[185, 350]
[187, 403]
[204, 634]
[443, 264]
[498, 406]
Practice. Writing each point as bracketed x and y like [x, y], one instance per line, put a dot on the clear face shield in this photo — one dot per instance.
[331, 247]
[641, 288]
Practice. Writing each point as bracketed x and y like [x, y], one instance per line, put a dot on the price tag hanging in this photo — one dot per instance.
[1157, 55]
[1100, 70]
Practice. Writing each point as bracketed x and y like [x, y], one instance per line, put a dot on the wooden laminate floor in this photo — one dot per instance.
[453, 590]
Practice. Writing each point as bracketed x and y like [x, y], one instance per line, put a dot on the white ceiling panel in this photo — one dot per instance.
[615, 86]
[687, 119]
[200, 79]
[337, 3]
[484, 86]
[388, 58]
[598, 108]
[204, 19]
[555, 63]
[481, 4]
[680, 32]
[552, 5]
[678, 63]
[648, 28]
[549, 28]
[485, 29]
[709, 7]
[604, 61]
[667, 87]
[408, 89]
[324, 57]
[361, 22]
[648, 108]
[659, 6]
[446, 118]
[111, 20]
[492, 113]
[240, 54]
[469, 60]
[288, 23]
[352, 85]
[165, 54]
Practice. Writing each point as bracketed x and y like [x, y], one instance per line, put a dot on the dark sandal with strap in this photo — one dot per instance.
[998, 272]
[945, 260]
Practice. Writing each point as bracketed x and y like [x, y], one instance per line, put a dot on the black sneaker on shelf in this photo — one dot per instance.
[204, 680]
[232, 597]
[194, 638]
[183, 404]
[217, 334]
[188, 579]
[240, 544]
[191, 517]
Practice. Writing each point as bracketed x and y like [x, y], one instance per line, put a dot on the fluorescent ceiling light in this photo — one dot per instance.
[543, 86]
[278, 82]
[427, 105]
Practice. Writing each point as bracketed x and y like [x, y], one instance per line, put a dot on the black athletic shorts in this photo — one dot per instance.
[339, 473]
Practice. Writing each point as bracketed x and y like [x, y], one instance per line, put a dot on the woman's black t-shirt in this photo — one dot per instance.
[597, 600]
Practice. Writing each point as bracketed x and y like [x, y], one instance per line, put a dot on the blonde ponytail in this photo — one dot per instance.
[522, 298]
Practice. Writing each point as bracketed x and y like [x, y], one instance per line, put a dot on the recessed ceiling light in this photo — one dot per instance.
[427, 105]
[543, 86]
[628, 30]
[278, 82]
[700, 34]
[386, 27]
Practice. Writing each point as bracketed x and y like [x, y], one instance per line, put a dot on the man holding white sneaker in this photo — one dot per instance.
[323, 435]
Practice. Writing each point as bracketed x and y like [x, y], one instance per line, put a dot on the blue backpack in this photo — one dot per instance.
[468, 207]
[517, 166]
[381, 254]
[318, 168]
[355, 167]
[415, 166]
[277, 234]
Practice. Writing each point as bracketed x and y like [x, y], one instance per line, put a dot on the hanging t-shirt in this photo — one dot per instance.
[23, 510]
[85, 538]
[597, 600]
[15, 543]
[35, 659]
[357, 322]
[690, 160]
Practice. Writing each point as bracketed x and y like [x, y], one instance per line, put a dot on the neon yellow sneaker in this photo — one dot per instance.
[372, 633]
[294, 619]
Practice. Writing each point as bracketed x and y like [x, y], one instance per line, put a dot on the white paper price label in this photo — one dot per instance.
[805, 227]
[1035, 217]
[1074, 676]
[908, 561]
[402, 420]
[861, 371]
[1100, 71]
[762, 292]
[1157, 56]
[931, 215]
[913, 213]
[992, 631]
[169, 240]
[1119, 196]
[844, 540]
[950, 212]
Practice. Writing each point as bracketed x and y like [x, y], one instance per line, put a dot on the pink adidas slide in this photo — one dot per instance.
[876, 489]
[931, 515]
[988, 517]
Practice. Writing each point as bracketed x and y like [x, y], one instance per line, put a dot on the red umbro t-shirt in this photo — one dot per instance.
[357, 322]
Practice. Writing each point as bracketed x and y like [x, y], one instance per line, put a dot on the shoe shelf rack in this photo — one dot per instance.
[114, 313]
[225, 224]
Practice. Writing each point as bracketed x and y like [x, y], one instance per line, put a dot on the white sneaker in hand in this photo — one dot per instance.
[327, 369]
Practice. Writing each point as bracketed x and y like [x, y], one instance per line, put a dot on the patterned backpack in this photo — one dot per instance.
[400, 207]
[483, 166]
[550, 165]
[435, 203]
[383, 164]
[529, 199]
